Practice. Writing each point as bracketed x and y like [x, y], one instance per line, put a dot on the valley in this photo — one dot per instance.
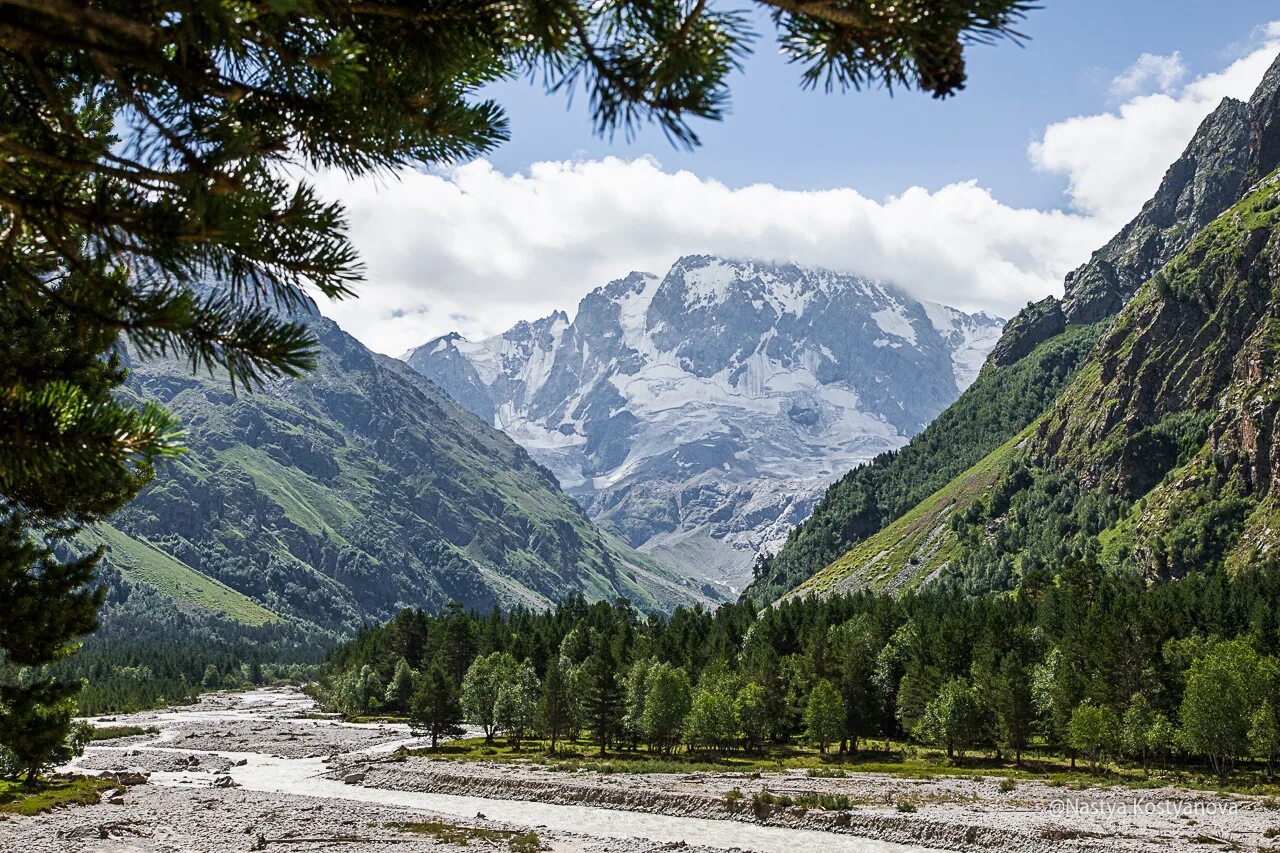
[261, 770]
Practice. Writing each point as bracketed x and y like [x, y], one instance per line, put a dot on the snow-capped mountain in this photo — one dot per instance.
[701, 413]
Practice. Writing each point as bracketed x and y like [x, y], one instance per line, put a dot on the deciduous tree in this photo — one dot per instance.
[824, 716]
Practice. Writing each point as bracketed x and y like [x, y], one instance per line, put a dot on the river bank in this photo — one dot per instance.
[263, 770]
[948, 812]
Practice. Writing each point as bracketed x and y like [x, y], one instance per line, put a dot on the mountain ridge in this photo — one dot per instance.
[859, 517]
[700, 413]
[1158, 455]
[359, 489]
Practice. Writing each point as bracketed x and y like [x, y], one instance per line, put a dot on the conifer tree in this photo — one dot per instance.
[554, 709]
[604, 705]
[149, 190]
[435, 711]
[1013, 705]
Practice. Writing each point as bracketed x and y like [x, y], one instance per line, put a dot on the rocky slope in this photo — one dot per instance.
[699, 414]
[1158, 456]
[360, 489]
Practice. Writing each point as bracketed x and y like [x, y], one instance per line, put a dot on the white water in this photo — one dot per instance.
[305, 776]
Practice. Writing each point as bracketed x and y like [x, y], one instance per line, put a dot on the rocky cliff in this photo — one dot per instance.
[1156, 455]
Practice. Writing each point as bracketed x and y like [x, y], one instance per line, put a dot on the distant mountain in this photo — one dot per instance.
[700, 414]
[358, 490]
[1156, 450]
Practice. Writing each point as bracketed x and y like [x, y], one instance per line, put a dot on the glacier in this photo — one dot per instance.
[700, 414]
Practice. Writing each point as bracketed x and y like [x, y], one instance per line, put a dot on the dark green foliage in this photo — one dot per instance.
[55, 382]
[148, 654]
[908, 43]
[603, 700]
[35, 723]
[554, 707]
[1007, 672]
[147, 146]
[1030, 523]
[149, 192]
[1001, 403]
[435, 710]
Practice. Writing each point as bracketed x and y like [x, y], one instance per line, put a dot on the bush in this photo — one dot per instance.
[525, 842]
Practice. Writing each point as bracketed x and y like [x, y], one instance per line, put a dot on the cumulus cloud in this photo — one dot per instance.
[474, 250]
[1114, 161]
[1151, 72]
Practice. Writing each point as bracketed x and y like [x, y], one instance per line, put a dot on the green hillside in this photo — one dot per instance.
[362, 489]
[1039, 511]
[918, 544]
[998, 406]
[142, 562]
[1158, 458]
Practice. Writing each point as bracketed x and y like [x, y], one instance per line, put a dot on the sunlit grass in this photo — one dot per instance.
[895, 758]
[49, 794]
[116, 732]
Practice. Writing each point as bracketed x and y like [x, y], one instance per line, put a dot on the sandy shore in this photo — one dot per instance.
[297, 781]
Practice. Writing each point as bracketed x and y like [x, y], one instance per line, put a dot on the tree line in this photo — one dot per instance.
[1094, 664]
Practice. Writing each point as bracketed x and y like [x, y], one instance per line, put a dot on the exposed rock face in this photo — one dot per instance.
[1197, 345]
[1036, 323]
[1160, 455]
[700, 414]
[1264, 136]
[1203, 182]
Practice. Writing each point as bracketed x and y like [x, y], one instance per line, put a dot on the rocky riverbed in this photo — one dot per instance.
[265, 771]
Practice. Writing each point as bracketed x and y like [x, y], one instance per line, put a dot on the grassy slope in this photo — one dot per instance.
[1177, 346]
[918, 544]
[996, 407]
[142, 562]
[362, 489]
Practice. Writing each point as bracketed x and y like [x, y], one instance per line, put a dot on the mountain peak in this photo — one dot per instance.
[1234, 146]
[703, 411]
[1264, 141]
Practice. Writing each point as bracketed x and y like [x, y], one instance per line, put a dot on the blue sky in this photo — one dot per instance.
[983, 201]
[880, 143]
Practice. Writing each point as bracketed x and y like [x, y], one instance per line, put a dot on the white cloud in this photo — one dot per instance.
[474, 250]
[1114, 161]
[1152, 72]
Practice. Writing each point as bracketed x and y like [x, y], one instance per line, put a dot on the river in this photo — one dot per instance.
[266, 769]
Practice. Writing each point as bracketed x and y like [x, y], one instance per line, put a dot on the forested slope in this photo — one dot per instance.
[1234, 147]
